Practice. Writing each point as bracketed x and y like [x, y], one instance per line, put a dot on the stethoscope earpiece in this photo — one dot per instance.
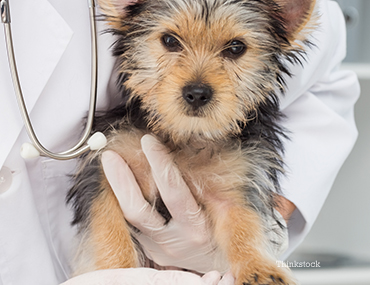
[97, 141]
[29, 151]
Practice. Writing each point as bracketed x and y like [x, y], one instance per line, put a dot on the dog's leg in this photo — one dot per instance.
[106, 242]
[239, 233]
[110, 233]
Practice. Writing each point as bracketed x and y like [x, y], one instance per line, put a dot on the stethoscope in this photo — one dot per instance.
[87, 142]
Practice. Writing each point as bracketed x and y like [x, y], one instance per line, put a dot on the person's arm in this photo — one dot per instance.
[319, 110]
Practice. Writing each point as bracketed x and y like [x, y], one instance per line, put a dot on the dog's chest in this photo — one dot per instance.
[211, 172]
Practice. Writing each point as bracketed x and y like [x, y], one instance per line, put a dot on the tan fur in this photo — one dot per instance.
[114, 10]
[110, 237]
[127, 144]
[245, 245]
[110, 9]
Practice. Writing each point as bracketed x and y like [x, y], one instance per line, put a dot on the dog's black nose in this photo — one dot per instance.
[197, 95]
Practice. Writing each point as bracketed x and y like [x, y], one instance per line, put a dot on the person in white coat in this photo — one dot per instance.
[52, 45]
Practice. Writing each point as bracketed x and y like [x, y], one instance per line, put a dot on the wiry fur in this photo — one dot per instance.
[228, 151]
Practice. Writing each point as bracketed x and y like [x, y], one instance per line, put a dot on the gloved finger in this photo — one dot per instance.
[227, 279]
[212, 277]
[175, 194]
[135, 208]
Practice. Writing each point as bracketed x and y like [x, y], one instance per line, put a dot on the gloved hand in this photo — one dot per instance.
[185, 241]
[148, 276]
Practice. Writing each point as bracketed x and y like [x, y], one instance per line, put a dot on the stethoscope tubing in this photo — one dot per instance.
[80, 147]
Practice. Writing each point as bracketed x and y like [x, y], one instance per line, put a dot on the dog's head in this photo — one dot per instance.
[200, 67]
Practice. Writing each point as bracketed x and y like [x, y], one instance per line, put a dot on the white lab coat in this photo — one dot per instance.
[52, 45]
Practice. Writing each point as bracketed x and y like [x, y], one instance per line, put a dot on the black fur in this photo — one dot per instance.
[85, 190]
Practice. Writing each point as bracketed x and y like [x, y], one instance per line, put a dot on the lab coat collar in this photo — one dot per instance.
[40, 38]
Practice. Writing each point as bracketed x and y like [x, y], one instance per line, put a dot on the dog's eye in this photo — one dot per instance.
[171, 43]
[234, 49]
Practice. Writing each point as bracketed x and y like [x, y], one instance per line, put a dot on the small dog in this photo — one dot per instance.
[203, 77]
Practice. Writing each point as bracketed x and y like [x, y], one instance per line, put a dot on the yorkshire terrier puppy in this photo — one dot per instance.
[203, 77]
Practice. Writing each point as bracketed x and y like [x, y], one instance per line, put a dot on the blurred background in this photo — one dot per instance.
[340, 238]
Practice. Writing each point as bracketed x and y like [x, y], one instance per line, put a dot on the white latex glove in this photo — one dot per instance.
[148, 276]
[185, 241]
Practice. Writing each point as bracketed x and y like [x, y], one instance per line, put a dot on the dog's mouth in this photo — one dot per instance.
[197, 113]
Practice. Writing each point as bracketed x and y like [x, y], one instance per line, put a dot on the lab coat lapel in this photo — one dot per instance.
[46, 37]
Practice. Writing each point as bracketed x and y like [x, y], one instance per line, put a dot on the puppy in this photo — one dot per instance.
[203, 77]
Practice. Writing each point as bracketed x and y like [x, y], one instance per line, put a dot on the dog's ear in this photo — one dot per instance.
[115, 10]
[297, 15]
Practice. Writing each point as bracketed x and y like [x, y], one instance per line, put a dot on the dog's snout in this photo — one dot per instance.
[197, 95]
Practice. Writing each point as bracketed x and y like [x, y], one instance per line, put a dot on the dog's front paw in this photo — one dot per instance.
[262, 280]
[264, 275]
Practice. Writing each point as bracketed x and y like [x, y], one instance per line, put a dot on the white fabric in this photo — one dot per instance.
[52, 43]
[147, 276]
[52, 46]
[37, 54]
[319, 109]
